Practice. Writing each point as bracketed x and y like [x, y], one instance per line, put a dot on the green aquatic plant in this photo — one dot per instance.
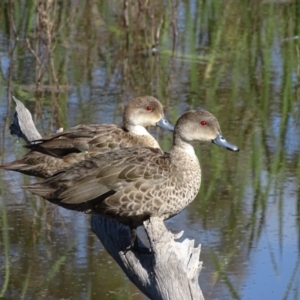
[6, 270]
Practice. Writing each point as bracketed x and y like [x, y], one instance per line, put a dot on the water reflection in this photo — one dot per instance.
[228, 58]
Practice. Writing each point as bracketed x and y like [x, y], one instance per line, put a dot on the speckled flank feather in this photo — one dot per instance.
[61, 150]
[132, 184]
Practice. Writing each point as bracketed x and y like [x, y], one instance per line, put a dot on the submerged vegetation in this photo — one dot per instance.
[75, 62]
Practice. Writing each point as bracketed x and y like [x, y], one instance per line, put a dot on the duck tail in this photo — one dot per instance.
[41, 190]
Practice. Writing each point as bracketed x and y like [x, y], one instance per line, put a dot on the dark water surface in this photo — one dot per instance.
[239, 60]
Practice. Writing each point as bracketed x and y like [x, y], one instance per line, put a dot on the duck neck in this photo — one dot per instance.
[136, 129]
[183, 146]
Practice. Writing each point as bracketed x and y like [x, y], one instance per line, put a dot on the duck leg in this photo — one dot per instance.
[133, 242]
[136, 244]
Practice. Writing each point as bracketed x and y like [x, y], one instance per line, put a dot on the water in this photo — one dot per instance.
[238, 61]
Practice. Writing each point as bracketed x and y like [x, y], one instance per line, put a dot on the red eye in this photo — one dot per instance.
[203, 123]
[149, 108]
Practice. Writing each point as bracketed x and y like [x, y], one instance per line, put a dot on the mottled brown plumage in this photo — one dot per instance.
[132, 184]
[63, 149]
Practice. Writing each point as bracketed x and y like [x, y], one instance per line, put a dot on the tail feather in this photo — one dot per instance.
[27, 169]
[13, 166]
[40, 190]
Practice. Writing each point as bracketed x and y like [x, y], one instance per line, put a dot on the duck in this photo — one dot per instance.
[131, 185]
[60, 150]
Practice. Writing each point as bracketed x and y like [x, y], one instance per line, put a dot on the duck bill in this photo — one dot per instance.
[164, 123]
[220, 141]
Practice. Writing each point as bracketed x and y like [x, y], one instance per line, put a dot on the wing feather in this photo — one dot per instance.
[126, 174]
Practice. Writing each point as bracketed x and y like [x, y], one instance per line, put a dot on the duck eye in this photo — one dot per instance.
[149, 108]
[203, 123]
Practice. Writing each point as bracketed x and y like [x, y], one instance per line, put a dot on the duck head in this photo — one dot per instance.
[145, 111]
[200, 125]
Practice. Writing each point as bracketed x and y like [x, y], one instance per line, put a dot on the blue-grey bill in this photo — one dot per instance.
[164, 123]
[220, 141]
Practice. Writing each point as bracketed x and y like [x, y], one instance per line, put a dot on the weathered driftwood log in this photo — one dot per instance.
[169, 271]
[23, 125]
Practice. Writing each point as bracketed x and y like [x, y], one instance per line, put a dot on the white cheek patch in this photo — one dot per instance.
[140, 120]
[145, 120]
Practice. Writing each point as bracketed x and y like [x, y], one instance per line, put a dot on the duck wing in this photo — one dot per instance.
[93, 137]
[129, 171]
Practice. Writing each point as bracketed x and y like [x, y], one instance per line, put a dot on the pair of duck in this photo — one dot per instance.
[120, 171]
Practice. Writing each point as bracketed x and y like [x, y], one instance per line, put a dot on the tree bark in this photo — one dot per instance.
[169, 270]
